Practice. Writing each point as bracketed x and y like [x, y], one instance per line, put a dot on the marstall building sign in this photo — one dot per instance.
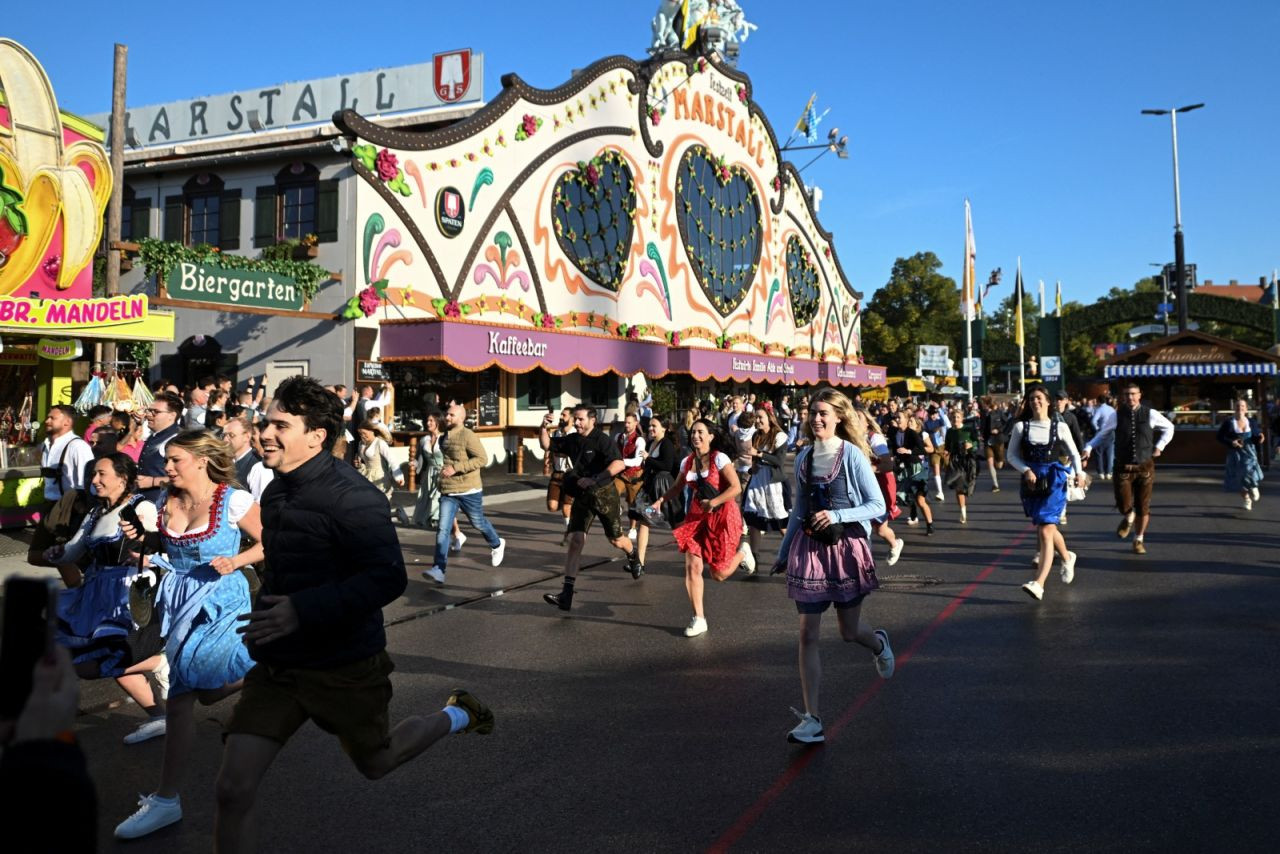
[213, 283]
[391, 90]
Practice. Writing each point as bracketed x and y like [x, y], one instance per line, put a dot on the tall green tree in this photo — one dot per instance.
[918, 305]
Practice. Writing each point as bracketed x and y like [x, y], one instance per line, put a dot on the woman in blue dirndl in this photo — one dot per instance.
[201, 595]
[1040, 447]
[1243, 438]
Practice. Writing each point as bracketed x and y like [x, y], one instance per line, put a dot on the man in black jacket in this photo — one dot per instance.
[332, 562]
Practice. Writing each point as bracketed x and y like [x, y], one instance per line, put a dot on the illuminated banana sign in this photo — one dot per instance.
[54, 184]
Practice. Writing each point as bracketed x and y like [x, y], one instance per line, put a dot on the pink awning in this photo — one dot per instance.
[724, 365]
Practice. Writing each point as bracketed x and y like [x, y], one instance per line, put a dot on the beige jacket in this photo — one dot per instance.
[463, 451]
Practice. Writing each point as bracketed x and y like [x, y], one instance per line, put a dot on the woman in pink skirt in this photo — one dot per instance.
[826, 553]
[712, 527]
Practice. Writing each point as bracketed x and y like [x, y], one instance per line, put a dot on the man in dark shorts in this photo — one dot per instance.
[596, 461]
[1133, 426]
[332, 562]
[996, 437]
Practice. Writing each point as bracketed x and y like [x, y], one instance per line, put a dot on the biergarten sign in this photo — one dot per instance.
[212, 283]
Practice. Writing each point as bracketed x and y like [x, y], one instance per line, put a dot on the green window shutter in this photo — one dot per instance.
[229, 220]
[140, 225]
[264, 216]
[175, 214]
[555, 391]
[522, 391]
[327, 211]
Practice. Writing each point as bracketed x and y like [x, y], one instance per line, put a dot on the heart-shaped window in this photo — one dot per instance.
[593, 208]
[719, 219]
[802, 282]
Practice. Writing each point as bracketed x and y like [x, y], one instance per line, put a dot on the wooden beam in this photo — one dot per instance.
[241, 309]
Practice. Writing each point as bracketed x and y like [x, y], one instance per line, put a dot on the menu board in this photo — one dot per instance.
[487, 400]
[370, 372]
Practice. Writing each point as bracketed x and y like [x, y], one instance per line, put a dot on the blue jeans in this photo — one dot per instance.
[473, 506]
[1106, 455]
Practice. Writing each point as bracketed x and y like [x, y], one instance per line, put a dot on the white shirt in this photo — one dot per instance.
[259, 477]
[1159, 424]
[1039, 435]
[78, 456]
[718, 462]
[636, 460]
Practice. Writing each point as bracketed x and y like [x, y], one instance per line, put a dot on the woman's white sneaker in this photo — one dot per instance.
[808, 731]
[697, 626]
[748, 558]
[154, 812]
[895, 551]
[1034, 590]
[147, 730]
[1068, 570]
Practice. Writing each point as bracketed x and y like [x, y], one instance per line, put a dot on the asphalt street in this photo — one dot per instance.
[1135, 710]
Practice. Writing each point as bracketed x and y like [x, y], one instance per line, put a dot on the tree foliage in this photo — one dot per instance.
[918, 305]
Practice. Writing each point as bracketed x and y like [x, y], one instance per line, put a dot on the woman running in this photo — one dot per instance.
[94, 621]
[765, 506]
[427, 464]
[887, 481]
[660, 466]
[712, 527]
[199, 600]
[961, 445]
[373, 460]
[911, 448]
[1038, 446]
[1243, 437]
[826, 552]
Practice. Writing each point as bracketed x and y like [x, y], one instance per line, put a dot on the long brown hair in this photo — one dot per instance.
[763, 440]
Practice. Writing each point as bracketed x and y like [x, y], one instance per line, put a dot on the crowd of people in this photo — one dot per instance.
[156, 521]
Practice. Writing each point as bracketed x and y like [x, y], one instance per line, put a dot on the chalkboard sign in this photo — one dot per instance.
[370, 372]
[487, 398]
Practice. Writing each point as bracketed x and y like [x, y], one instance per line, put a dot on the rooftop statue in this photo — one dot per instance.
[678, 24]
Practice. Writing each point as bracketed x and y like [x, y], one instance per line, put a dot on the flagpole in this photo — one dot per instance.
[1043, 313]
[1022, 338]
[969, 294]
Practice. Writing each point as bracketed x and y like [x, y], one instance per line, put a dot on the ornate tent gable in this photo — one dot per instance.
[643, 199]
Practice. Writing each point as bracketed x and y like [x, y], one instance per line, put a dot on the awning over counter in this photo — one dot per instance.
[476, 346]
[1211, 369]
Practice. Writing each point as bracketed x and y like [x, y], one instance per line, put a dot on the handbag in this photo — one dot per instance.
[831, 534]
[1040, 489]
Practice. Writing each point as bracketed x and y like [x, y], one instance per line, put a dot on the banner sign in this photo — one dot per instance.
[211, 282]
[1051, 367]
[933, 359]
[123, 317]
[59, 349]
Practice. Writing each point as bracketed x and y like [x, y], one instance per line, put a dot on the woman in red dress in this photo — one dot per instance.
[712, 527]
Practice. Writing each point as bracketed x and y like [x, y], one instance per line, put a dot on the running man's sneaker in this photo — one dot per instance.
[748, 558]
[458, 542]
[480, 715]
[895, 551]
[697, 626]
[1068, 569]
[808, 731]
[435, 574]
[562, 600]
[152, 727]
[154, 812]
[495, 556]
[884, 658]
[1125, 526]
[1139, 547]
[1034, 590]
[634, 566]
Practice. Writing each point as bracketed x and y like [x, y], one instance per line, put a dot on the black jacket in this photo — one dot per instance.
[331, 548]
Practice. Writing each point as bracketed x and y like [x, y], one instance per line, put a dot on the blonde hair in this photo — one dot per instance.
[844, 412]
[220, 467]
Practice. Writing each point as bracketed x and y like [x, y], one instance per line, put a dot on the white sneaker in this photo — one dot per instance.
[496, 555]
[1255, 494]
[1068, 570]
[1035, 559]
[697, 626]
[1248, 503]
[808, 731]
[748, 558]
[631, 535]
[884, 660]
[1034, 590]
[435, 574]
[895, 551]
[150, 728]
[964, 515]
[153, 813]
[912, 522]
[458, 542]
[939, 496]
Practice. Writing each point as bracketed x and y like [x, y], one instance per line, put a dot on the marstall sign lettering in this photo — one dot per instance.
[211, 282]
[513, 346]
[72, 313]
[719, 115]
[764, 366]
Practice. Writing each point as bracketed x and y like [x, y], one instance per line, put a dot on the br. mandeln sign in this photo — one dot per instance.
[72, 313]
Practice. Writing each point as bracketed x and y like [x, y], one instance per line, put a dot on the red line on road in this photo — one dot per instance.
[748, 819]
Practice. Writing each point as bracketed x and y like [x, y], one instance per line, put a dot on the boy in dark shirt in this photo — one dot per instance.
[596, 461]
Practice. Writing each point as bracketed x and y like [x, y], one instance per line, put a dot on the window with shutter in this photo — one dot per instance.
[174, 215]
[264, 216]
[327, 212]
[229, 226]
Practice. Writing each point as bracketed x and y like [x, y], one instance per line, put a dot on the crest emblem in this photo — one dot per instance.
[450, 212]
[451, 74]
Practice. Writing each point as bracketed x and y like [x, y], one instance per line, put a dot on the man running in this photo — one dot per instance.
[631, 447]
[332, 562]
[596, 461]
[1133, 428]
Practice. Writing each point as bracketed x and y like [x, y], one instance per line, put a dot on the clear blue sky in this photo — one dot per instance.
[1030, 110]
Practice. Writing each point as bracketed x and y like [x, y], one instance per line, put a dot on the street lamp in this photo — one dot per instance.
[1179, 257]
[835, 142]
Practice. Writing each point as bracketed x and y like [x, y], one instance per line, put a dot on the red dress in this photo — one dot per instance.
[712, 536]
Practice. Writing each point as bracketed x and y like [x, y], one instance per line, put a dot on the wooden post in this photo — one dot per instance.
[115, 205]
[413, 455]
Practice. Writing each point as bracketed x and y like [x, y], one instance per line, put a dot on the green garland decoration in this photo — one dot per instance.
[160, 256]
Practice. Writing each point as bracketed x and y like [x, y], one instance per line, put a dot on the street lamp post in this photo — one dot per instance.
[1179, 256]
